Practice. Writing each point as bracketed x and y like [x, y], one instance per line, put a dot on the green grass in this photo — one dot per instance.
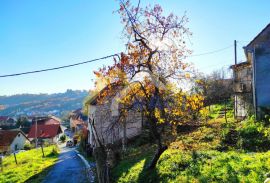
[32, 167]
[213, 166]
[132, 164]
[207, 166]
[193, 156]
[217, 108]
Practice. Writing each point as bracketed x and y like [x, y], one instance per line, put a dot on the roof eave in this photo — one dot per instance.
[250, 43]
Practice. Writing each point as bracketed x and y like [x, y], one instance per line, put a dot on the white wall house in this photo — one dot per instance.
[18, 142]
[12, 140]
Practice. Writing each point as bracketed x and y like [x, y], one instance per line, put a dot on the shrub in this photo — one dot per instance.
[254, 135]
[27, 146]
[208, 137]
[54, 152]
[229, 135]
[63, 138]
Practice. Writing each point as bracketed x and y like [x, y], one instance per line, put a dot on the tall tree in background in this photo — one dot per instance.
[216, 87]
[152, 69]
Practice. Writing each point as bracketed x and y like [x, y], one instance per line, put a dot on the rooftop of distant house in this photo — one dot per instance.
[78, 115]
[45, 128]
[46, 120]
[4, 118]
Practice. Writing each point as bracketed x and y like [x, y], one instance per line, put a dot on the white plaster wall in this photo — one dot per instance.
[19, 141]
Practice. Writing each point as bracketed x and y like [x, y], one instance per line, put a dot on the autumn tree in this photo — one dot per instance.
[152, 71]
[216, 87]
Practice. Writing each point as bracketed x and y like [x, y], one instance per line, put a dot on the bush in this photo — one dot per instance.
[208, 137]
[54, 152]
[254, 136]
[63, 138]
[46, 144]
[27, 146]
[229, 136]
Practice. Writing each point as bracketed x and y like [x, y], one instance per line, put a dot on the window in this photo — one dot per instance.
[19, 135]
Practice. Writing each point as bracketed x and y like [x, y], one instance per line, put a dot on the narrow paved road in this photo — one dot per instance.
[69, 168]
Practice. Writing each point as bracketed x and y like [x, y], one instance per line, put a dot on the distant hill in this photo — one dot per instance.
[42, 104]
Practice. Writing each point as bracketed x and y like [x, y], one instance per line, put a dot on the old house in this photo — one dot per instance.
[46, 129]
[78, 121]
[252, 78]
[242, 89]
[7, 122]
[12, 140]
[105, 119]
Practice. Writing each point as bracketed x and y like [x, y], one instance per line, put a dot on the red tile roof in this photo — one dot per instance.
[45, 130]
[46, 121]
[7, 136]
[3, 118]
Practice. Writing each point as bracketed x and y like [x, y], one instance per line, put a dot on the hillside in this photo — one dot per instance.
[213, 151]
[42, 104]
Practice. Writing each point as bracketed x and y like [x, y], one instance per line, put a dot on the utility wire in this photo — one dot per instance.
[94, 60]
[211, 52]
[61, 67]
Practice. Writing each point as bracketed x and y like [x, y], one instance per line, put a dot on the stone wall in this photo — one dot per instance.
[243, 91]
[111, 131]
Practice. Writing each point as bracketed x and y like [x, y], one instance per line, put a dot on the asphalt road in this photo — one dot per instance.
[69, 168]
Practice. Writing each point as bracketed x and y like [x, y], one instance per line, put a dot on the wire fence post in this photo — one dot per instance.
[1, 163]
[42, 150]
[15, 158]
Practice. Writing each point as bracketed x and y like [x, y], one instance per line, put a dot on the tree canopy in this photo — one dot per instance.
[152, 71]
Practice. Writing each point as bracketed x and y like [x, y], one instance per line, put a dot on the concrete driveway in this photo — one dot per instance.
[69, 168]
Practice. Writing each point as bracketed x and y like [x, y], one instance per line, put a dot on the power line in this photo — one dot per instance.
[211, 52]
[94, 60]
[61, 67]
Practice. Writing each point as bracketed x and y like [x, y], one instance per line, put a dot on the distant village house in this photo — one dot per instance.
[7, 121]
[46, 129]
[78, 121]
[12, 140]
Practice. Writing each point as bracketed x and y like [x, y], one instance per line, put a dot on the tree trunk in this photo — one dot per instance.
[156, 129]
[101, 165]
[156, 157]
[159, 150]
[124, 139]
[100, 155]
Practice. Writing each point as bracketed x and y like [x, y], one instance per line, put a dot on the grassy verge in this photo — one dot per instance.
[131, 167]
[197, 166]
[31, 167]
[216, 151]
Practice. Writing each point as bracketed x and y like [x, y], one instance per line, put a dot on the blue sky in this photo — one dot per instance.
[36, 34]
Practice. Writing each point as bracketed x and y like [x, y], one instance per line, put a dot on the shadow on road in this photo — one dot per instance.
[40, 176]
